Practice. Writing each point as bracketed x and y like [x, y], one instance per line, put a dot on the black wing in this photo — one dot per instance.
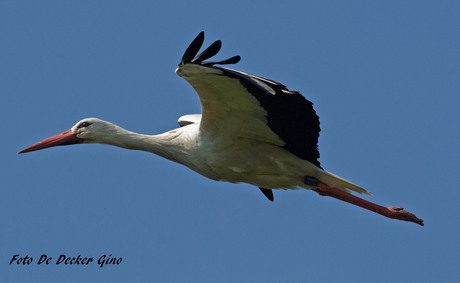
[286, 113]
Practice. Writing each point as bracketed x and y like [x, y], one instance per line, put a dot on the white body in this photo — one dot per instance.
[223, 158]
[229, 142]
[252, 130]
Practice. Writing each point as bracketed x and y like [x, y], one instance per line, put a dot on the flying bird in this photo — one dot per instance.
[252, 130]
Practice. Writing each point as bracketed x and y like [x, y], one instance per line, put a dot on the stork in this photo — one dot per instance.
[252, 130]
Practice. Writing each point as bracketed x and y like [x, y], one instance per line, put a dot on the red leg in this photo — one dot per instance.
[391, 212]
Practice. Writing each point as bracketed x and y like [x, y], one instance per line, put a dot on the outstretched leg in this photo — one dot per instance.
[391, 212]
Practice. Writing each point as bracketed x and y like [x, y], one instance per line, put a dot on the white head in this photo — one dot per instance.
[94, 130]
[89, 130]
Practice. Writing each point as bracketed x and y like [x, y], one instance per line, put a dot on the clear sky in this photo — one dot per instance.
[384, 77]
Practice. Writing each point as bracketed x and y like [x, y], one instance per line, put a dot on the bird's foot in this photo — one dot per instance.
[392, 212]
[401, 214]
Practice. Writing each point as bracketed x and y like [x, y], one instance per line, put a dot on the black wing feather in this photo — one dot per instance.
[268, 193]
[193, 49]
[232, 60]
[289, 114]
[212, 50]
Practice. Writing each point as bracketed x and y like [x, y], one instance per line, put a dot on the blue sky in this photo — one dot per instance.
[384, 77]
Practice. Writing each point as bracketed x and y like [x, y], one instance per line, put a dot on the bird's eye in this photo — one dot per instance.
[83, 125]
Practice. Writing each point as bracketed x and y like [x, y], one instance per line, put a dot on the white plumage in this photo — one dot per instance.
[252, 130]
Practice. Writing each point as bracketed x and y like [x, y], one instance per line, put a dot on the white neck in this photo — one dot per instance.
[169, 145]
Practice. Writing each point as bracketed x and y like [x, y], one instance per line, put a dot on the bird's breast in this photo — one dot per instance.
[234, 159]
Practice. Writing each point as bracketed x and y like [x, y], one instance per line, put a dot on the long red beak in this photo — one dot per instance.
[64, 138]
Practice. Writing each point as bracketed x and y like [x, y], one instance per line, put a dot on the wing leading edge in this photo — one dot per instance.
[250, 106]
